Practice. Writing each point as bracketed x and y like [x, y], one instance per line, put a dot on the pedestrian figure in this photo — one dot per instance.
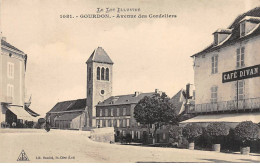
[13, 124]
[47, 126]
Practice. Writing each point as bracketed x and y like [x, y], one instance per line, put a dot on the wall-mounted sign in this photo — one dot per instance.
[248, 72]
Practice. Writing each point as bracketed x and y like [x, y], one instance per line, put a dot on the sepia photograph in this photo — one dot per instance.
[129, 81]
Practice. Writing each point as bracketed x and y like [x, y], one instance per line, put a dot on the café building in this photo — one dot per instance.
[226, 73]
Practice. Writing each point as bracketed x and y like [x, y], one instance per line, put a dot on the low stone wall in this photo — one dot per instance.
[103, 134]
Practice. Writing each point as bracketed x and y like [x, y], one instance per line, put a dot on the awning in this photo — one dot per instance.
[21, 113]
[235, 117]
[31, 112]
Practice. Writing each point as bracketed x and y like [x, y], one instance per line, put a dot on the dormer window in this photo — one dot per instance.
[248, 24]
[221, 35]
[243, 29]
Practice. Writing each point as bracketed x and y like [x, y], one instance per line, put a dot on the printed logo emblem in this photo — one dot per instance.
[23, 157]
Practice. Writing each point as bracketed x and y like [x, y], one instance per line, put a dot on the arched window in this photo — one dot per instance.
[102, 73]
[107, 74]
[89, 74]
[98, 73]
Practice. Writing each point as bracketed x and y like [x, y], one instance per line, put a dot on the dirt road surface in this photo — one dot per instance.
[65, 146]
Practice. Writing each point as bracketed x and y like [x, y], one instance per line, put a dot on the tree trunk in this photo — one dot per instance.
[154, 135]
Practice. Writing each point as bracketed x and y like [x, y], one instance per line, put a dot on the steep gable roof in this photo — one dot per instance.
[70, 105]
[235, 35]
[99, 55]
[177, 101]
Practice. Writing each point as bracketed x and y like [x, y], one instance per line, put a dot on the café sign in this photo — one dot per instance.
[248, 72]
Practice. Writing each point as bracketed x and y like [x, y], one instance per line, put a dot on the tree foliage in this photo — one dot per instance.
[175, 133]
[216, 131]
[246, 131]
[155, 110]
[192, 131]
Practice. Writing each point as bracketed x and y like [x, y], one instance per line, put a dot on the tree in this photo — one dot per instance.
[246, 132]
[192, 131]
[175, 134]
[155, 110]
[216, 131]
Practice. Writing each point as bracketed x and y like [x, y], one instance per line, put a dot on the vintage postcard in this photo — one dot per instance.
[129, 81]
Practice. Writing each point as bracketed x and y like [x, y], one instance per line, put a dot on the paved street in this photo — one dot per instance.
[74, 146]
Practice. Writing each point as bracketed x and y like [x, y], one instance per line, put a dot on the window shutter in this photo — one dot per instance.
[238, 57]
[243, 56]
[216, 63]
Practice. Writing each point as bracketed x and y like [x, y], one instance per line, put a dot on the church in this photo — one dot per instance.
[101, 109]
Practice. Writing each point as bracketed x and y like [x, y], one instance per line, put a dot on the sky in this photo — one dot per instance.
[148, 54]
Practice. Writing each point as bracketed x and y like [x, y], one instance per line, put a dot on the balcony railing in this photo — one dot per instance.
[232, 105]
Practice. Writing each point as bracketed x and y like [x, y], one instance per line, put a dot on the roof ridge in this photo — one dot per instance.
[132, 94]
[70, 100]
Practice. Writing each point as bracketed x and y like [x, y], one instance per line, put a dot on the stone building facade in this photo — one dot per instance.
[12, 86]
[226, 73]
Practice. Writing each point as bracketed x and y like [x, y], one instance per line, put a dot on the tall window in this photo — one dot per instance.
[242, 29]
[240, 91]
[121, 122]
[107, 74]
[124, 123]
[98, 73]
[117, 112]
[106, 112]
[118, 123]
[102, 73]
[214, 64]
[138, 134]
[10, 70]
[127, 122]
[112, 112]
[124, 111]
[89, 74]
[241, 57]
[100, 112]
[10, 91]
[115, 122]
[214, 94]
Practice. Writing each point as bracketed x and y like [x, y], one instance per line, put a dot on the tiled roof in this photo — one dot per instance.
[69, 116]
[31, 112]
[124, 99]
[99, 55]
[177, 101]
[235, 36]
[69, 105]
[5, 43]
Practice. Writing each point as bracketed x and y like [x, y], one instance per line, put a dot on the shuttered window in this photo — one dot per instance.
[240, 57]
[214, 94]
[214, 64]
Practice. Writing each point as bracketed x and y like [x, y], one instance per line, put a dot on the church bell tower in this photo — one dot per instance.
[99, 82]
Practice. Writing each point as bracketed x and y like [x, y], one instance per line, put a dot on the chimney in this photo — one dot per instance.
[156, 91]
[137, 93]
